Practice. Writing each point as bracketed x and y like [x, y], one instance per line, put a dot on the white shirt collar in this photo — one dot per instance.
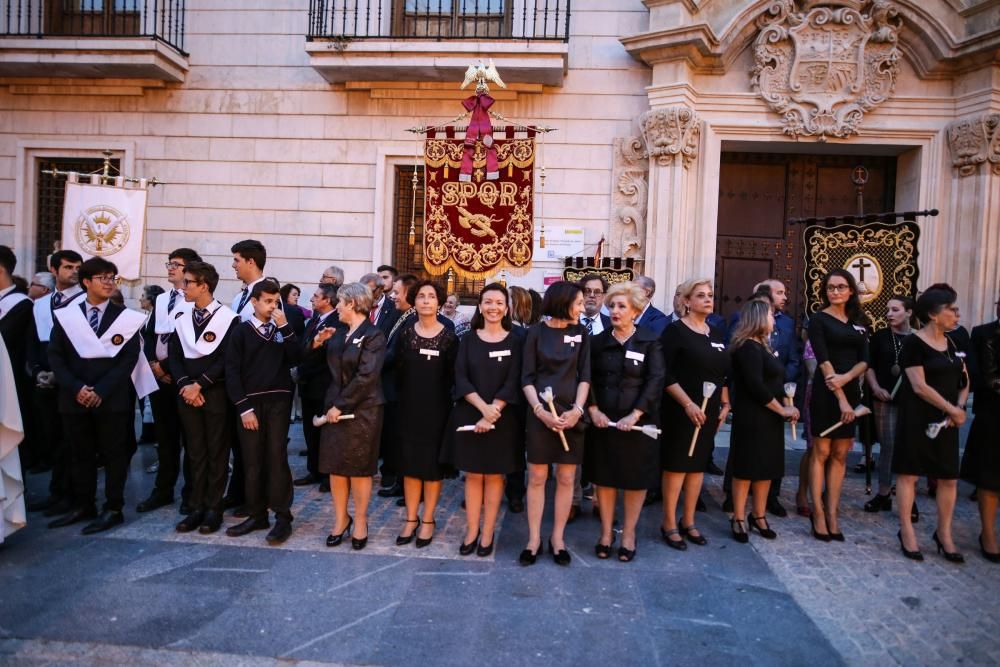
[88, 306]
[7, 290]
[257, 323]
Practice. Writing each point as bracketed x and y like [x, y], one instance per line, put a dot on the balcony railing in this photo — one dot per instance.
[440, 19]
[161, 20]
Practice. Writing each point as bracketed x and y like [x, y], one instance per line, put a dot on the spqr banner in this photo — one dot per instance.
[480, 226]
[106, 221]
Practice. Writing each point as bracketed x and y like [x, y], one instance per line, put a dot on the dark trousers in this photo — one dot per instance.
[389, 442]
[207, 434]
[265, 457]
[236, 490]
[31, 447]
[166, 421]
[727, 482]
[54, 450]
[310, 408]
[101, 433]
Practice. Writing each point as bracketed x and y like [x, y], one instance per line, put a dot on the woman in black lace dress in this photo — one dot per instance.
[425, 355]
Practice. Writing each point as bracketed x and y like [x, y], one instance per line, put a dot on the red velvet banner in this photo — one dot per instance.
[479, 226]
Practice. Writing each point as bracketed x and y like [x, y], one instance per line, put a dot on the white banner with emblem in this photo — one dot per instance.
[106, 221]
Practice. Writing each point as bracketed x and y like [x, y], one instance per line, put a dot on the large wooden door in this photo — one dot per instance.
[759, 192]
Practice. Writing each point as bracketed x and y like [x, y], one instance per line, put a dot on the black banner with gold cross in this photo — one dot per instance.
[881, 256]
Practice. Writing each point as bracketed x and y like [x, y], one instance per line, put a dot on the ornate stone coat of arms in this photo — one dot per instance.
[824, 67]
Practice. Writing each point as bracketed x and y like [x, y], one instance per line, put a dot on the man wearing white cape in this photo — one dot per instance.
[11, 434]
[94, 349]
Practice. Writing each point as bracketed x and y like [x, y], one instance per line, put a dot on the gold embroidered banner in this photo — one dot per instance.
[482, 225]
[882, 258]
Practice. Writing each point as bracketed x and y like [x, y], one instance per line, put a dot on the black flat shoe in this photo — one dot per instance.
[698, 539]
[879, 503]
[560, 557]
[247, 526]
[403, 540]
[467, 549]
[912, 555]
[421, 542]
[680, 544]
[739, 531]
[482, 551]
[766, 531]
[603, 551]
[282, 531]
[77, 515]
[625, 555]
[988, 555]
[211, 523]
[822, 537]
[335, 540]
[527, 556]
[950, 556]
[190, 522]
[111, 518]
[359, 543]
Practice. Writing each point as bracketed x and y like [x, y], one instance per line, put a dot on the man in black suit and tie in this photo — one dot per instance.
[314, 379]
[387, 313]
[651, 318]
[594, 286]
[93, 351]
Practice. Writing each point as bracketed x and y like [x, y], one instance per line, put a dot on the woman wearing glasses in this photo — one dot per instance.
[839, 336]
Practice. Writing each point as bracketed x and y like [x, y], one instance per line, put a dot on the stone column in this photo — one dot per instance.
[673, 248]
[972, 239]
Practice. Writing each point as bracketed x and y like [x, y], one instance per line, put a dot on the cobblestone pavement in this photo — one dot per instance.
[143, 594]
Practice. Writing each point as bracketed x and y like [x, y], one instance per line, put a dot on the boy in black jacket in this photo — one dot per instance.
[259, 360]
[197, 361]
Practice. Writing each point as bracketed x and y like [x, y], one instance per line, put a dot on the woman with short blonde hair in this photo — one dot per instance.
[634, 295]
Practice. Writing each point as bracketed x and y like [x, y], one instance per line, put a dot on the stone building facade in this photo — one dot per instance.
[688, 131]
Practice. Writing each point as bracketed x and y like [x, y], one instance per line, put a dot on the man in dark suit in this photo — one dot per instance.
[594, 286]
[980, 336]
[313, 377]
[385, 307]
[652, 318]
[93, 350]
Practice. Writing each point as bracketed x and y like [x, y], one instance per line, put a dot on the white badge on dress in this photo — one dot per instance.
[499, 354]
[357, 341]
[573, 340]
[636, 357]
[960, 355]
[719, 346]
[859, 328]
[430, 353]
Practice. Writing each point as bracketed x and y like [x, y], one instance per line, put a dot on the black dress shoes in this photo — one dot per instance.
[190, 522]
[306, 480]
[60, 507]
[152, 503]
[484, 551]
[466, 549]
[75, 516]
[282, 531]
[561, 556]
[528, 556]
[775, 508]
[247, 527]
[211, 523]
[107, 520]
[394, 491]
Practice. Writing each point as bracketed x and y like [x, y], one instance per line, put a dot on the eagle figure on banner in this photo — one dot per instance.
[481, 74]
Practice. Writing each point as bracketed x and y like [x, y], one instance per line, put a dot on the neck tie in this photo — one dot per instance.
[200, 315]
[311, 325]
[243, 299]
[94, 319]
[266, 329]
[373, 315]
[57, 299]
[173, 301]
[589, 323]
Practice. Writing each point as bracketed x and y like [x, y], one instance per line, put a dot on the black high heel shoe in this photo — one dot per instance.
[467, 549]
[950, 556]
[822, 537]
[484, 551]
[625, 555]
[740, 535]
[359, 544]
[988, 555]
[912, 555]
[766, 531]
[603, 551]
[421, 543]
[402, 540]
[560, 557]
[527, 556]
[698, 539]
[335, 540]
[680, 544]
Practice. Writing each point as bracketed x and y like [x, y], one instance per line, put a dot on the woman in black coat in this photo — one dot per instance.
[348, 449]
[626, 366]
[757, 443]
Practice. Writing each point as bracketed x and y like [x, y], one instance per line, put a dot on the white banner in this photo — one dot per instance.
[106, 221]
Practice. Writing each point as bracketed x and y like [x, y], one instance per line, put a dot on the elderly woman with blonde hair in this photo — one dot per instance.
[627, 369]
[694, 354]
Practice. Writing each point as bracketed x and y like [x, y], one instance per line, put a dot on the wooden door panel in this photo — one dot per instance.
[734, 273]
[752, 203]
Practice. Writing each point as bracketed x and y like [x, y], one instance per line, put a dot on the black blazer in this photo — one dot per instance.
[355, 369]
[296, 318]
[17, 329]
[618, 384]
[981, 364]
[314, 373]
[110, 378]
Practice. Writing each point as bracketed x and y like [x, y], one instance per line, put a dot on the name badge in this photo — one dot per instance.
[430, 353]
[357, 341]
[499, 354]
[278, 338]
[636, 357]
[573, 340]
[859, 328]
[960, 355]
[719, 346]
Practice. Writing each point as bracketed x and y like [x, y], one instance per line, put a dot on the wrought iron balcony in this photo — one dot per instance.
[468, 20]
[159, 20]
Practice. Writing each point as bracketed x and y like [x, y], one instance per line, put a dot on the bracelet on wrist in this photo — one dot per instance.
[578, 408]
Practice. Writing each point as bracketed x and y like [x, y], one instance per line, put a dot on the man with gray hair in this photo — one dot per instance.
[374, 283]
[333, 275]
[42, 283]
[652, 318]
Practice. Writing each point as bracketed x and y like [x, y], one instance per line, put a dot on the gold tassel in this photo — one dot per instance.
[446, 171]
[413, 235]
[510, 169]
[541, 237]
[450, 284]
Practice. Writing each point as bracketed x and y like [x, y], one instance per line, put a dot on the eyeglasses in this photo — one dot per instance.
[838, 288]
[191, 282]
[106, 279]
[174, 265]
[39, 285]
[593, 292]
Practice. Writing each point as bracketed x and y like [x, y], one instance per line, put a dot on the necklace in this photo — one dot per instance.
[614, 332]
[896, 348]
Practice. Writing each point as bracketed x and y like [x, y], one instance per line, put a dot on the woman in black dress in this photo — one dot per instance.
[348, 450]
[757, 443]
[626, 364]
[425, 374]
[839, 337]
[487, 382]
[693, 353]
[981, 463]
[934, 394]
[556, 357]
[883, 376]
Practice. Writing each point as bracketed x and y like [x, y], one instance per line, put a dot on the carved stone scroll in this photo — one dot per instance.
[671, 131]
[629, 196]
[974, 140]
